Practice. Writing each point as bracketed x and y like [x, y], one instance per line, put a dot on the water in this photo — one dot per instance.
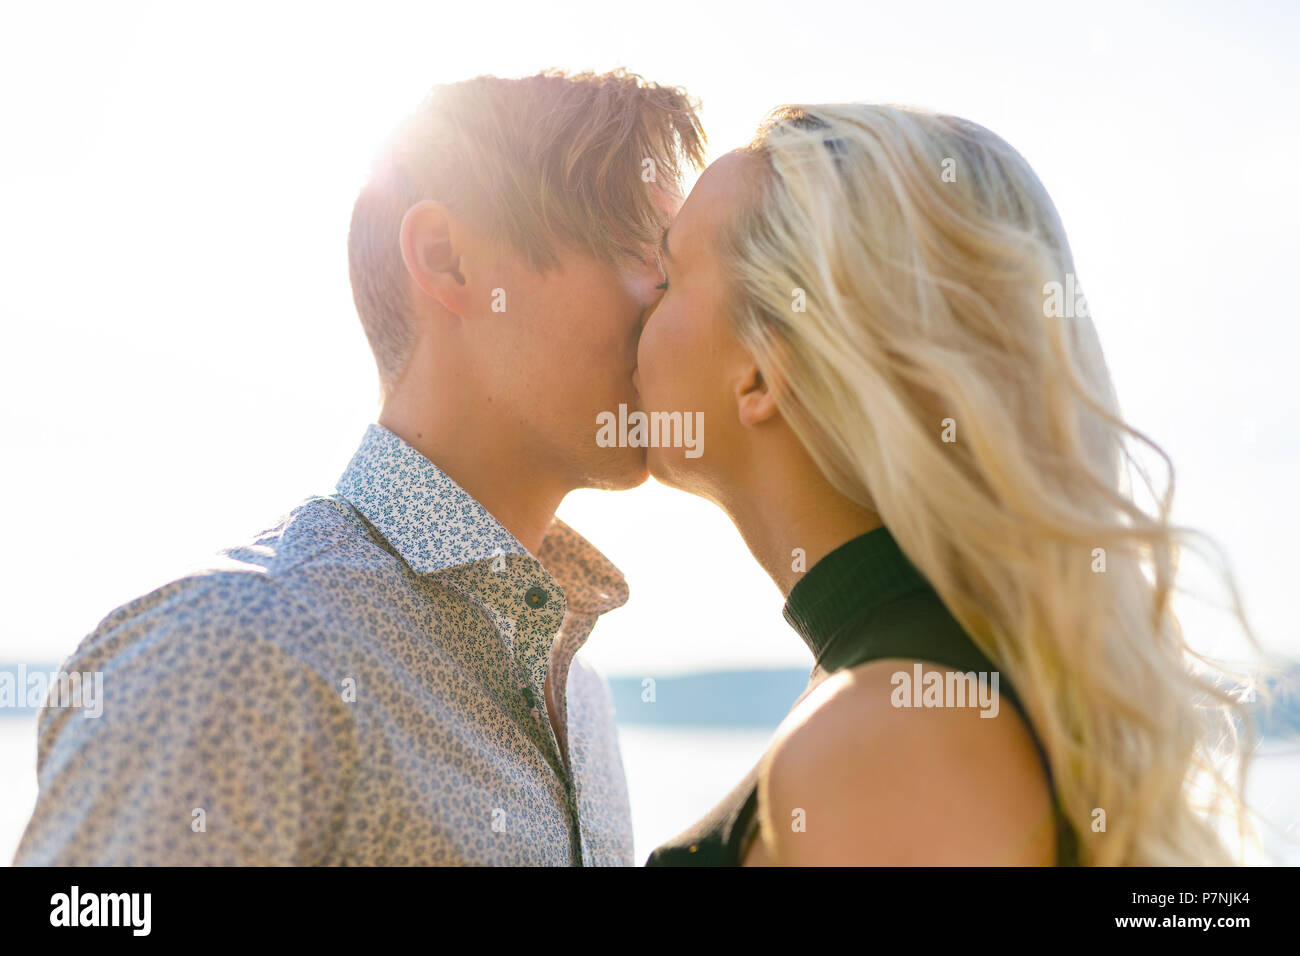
[17, 779]
[676, 775]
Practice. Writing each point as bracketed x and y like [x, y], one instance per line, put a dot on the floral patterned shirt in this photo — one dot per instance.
[364, 683]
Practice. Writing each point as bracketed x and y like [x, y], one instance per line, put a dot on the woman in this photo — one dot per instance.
[912, 425]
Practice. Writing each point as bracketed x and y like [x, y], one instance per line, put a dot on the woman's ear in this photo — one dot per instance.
[432, 243]
[755, 402]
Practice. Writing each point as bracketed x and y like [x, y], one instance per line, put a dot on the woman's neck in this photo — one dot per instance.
[791, 518]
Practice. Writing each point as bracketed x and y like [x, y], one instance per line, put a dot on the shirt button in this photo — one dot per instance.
[536, 597]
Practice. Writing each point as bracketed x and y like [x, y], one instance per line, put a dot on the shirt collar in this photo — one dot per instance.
[861, 575]
[436, 525]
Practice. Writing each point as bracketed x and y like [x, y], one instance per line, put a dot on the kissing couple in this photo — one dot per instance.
[913, 429]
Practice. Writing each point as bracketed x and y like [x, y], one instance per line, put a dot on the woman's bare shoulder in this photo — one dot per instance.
[857, 774]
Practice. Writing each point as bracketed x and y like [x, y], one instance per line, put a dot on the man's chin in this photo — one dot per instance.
[622, 472]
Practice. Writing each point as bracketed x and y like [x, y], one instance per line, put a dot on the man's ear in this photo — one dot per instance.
[432, 242]
[755, 402]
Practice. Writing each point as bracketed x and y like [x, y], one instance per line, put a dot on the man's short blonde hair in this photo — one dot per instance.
[532, 161]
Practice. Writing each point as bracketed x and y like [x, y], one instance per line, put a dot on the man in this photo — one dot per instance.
[388, 675]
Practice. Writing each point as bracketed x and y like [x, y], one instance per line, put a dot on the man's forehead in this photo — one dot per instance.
[667, 202]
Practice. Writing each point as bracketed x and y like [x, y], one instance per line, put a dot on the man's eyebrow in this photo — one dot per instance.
[663, 245]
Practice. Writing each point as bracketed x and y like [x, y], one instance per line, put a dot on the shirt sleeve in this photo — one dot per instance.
[215, 744]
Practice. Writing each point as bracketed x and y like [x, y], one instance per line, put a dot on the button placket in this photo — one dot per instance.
[542, 620]
[538, 623]
[531, 611]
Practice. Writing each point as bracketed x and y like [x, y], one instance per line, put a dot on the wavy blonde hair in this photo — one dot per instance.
[924, 248]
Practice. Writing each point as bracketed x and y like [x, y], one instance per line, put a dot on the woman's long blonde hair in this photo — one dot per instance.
[904, 282]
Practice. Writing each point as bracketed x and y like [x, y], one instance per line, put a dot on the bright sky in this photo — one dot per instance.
[182, 362]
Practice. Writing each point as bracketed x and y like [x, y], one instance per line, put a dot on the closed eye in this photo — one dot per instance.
[659, 257]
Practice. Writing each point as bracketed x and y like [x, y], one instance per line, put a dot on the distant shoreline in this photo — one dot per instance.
[737, 699]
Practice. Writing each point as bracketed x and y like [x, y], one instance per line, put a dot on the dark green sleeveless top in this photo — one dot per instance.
[864, 601]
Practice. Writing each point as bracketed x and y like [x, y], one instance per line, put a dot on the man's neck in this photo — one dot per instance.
[485, 462]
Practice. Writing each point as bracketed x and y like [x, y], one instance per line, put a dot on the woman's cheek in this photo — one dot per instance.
[665, 358]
